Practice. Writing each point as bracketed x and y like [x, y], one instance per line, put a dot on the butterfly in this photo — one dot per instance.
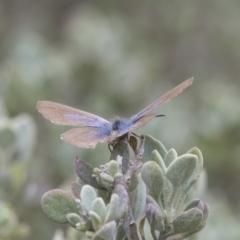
[94, 129]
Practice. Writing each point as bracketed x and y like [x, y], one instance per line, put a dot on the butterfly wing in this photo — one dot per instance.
[65, 115]
[162, 100]
[142, 121]
[86, 137]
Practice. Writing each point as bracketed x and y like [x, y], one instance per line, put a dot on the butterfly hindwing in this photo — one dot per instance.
[85, 137]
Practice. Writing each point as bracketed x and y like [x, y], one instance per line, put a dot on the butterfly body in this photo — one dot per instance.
[93, 129]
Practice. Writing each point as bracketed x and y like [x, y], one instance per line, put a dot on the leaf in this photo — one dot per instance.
[202, 224]
[56, 204]
[85, 172]
[152, 176]
[88, 195]
[187, 221]
[106, 232]
[99, 207]
[151, 144]
[112, 168]
[155, 217]
[112, 208]
[76, 189]
[138, 202]
[170, 157]
[95, 219]
[156, 157]
[181, 169]
[73, 219]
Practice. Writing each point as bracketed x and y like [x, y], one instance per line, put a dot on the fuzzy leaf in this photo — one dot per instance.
[166, 194]
[202, 224]
[85, 172]
[151, 200]
[56, 204]
[197, 171]
[192, 178]
[121, 234]
[155, 217]
[152, 144]
[138, 202]
[170, 156]
[106, 232]
[106, 178]
[193, 203]
[153, 177]
[181, 169]
[156, 157]
[76, 189]
[113, 168]
[187, 221]
[95, 219]
[205, 212]
[88, 195]
[112, 208]
[100, 208]
[73, 219]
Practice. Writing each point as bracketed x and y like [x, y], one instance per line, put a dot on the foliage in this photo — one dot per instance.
[110, 204]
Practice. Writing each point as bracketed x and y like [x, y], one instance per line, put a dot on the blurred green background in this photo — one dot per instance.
[113, 58]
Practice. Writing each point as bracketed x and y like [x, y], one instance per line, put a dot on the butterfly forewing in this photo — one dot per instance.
[142, 121]
[139, 123]
[164, 99]
[65, 115]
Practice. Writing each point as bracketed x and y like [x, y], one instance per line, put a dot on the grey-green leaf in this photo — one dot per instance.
[106, 232]
[57, 204]
[187, 221]
[181, 169]
[151, 144]
[138, 202]
[73, 219]
[202, 224]
[153, 177]
[170, 157]
[113, 168]
[155, 217]
[88, 195]
[76, 189]
[99, 207]
[112, 208]
[156, 157]
[85, 172]
[193, 203]
[197, 171]
[95, 219]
